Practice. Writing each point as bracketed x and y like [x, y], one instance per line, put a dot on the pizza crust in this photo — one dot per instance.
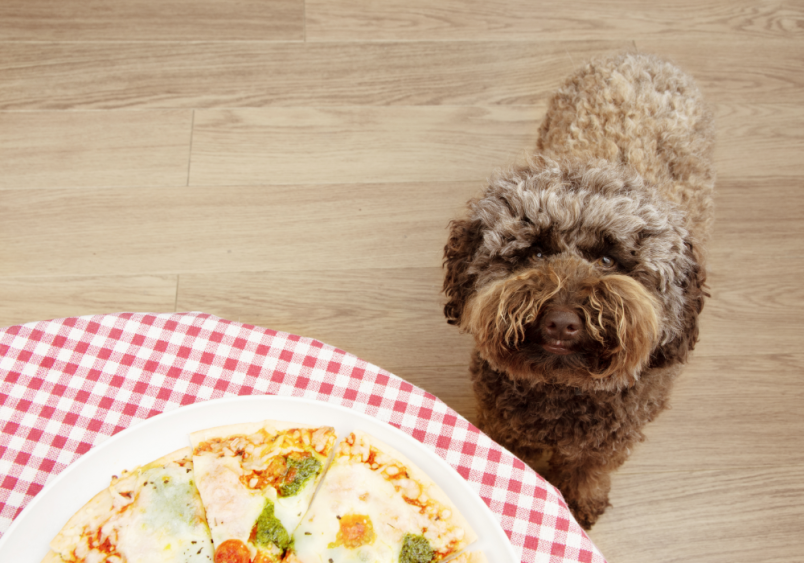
[91, 515]
[52, 557]
[245, 428]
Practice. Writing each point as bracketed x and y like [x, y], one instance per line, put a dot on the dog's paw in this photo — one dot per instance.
[587, 511]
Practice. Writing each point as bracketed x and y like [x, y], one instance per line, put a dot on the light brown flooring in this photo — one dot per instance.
[295, 164]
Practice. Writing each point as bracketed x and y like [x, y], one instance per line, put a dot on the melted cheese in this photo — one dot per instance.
[241, 467]
[151, 515]
[290, 510]
[374, 486]
[354, 489]
[166, 522]
[231, 507]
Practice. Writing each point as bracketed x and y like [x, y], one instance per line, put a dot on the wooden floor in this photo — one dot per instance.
[294, 164]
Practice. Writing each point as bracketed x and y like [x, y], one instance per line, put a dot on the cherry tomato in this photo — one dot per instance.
[232, 551]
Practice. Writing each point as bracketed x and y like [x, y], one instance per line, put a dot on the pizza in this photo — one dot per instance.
[256, 481]
[153, 513]
[269, 492]
[470, 557]
[376, 505]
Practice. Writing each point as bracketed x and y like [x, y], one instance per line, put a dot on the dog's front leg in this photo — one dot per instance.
[585, 483]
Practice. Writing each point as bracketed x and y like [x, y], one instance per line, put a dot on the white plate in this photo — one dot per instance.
[26, 540]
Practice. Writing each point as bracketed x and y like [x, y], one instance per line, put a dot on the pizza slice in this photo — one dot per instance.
[256, 481]
[376, 505]
[152, 514]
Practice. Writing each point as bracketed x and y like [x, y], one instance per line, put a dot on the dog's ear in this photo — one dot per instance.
[464, 238]
[695, 292]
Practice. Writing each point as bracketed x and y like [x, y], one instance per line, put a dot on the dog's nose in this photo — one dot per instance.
[562, 325]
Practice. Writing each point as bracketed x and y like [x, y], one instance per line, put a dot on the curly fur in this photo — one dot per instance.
[605, 224]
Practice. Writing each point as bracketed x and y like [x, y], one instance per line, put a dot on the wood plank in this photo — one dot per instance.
[219, 229]
[728, 411]
[716, 516]
[749, 137]
[358, 144]
[755, 222]
[378, 314]
[28, 299]
[80, 149]
[483, 20]
[756, 262]
[404, 94]
[145, 20]
[769, 313]
[65, 75]
[737, 70]
[744, 207]
[276, 145]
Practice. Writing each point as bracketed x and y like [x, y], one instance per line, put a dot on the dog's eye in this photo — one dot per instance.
[606, 262]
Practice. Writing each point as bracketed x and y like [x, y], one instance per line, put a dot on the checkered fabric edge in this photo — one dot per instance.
[67, 385]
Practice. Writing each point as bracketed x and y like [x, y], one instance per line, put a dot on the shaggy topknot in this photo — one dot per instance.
[581, 274]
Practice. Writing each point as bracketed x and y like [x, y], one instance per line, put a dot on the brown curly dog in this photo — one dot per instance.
[581, 274]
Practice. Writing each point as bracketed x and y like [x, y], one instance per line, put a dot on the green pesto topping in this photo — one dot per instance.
[269, 530]
[301, 469]
[415, 549]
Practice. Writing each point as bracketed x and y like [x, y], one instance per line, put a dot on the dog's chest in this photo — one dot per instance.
[552, 414]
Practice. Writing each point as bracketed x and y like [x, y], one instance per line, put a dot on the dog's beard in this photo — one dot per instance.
[620, 325]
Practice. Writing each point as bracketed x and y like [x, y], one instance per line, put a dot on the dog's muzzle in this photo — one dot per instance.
[566, 313]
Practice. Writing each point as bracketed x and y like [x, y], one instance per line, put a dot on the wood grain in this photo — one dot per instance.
[769, 206]
[59, 75]
[770, 316]
[408, 330]
[52, 297]
[146, 20]
[749, 136]
[295, 165]
[727, 412]
[716, 516]
[357, 144]
[226, 229]
[77, 149]
[481, 20]
[738, 69]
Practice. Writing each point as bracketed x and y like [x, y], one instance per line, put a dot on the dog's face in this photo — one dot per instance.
[574, 274]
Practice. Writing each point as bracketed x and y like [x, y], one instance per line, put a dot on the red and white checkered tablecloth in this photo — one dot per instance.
[67, 385]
